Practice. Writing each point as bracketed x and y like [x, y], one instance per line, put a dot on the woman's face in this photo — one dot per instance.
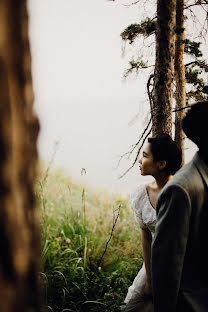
[147, 164]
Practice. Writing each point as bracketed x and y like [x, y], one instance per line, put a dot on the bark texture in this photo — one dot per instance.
[180, 94]
[164, 67]
[19, 128]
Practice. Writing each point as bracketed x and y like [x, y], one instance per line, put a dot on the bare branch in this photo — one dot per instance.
[135, 145]
[133, 3]
[196, 4]
[127, 5]
[111, 234]
[137, 152]
[150, 92]
[142, 144]
[182, 108]
[204, 7]
[201, 64]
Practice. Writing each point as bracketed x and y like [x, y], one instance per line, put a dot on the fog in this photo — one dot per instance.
[80, 96]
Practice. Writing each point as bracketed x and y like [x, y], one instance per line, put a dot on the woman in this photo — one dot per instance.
[161, 158]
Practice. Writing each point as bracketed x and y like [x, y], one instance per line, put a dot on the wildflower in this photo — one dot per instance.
[78, 221]
[99, 268]
[68, 240]
[112, 295]
[89, 250]
[58, 239]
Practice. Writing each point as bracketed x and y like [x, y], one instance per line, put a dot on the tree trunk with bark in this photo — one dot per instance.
[19, 128]
[180, 94]
[164, 67]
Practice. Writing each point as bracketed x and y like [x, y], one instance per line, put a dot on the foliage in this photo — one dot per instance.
[135, 65]
[196, 71]
[146, 28]
[192, 48]
[75, 229]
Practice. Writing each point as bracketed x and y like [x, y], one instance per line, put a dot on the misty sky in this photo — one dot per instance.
[80, 97]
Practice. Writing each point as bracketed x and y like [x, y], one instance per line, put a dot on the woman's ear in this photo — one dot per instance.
[162, 164]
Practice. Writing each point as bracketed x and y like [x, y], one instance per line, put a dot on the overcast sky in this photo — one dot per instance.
[80, 97]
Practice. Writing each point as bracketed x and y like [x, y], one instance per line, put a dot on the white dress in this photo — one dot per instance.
[145, 216]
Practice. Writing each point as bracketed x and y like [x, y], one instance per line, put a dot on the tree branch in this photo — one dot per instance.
[138, 150]
[196, 4]
[201, 64]
[150, 92]
[179, 109]
[135, 145]
[133, 3]
[111, 234]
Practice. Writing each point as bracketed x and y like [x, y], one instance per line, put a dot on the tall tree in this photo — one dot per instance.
[160, 84]
[164, 67]
[192, 76]
[180, 93]
[19, 128]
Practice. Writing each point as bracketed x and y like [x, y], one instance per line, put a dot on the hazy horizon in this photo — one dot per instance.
[80, 96]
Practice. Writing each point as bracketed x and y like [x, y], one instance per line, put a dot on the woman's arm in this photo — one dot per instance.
[146, 245]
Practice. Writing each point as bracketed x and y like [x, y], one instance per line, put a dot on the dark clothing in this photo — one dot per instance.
[179, 250]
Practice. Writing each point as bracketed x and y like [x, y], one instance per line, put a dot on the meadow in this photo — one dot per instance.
[91, 246]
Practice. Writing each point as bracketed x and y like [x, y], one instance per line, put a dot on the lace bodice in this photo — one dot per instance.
[145, 214]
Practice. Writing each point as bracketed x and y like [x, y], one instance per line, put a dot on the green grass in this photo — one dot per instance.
[76, 224]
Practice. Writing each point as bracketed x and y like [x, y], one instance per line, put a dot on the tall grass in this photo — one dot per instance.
[76, 224]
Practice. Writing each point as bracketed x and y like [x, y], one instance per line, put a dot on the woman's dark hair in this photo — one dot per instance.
[195, 123]
[164, 148]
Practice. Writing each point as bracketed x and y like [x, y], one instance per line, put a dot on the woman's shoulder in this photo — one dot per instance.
[137, 197]
[140, 205]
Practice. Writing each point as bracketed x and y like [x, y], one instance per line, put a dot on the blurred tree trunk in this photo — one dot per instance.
[180, 94]
[19, 128]
[164, 67]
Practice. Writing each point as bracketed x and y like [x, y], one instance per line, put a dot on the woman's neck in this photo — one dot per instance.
[161, 180]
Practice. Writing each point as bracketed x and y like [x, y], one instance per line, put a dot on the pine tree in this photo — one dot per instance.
[164, 67]
[190, 77]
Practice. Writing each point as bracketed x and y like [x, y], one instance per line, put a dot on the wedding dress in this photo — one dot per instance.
[145, 216]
